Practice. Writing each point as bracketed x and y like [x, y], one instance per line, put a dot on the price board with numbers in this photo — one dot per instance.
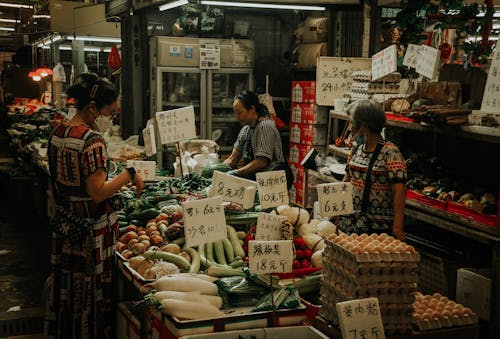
[411, 55]
[146, 169]
[204, 221]
[335, 199]
[270, 256]
[230, 188]
[269, 226]
[176, 125]
[428, 61]
[273, 191]
[149, 137]
[491, 97]
[360, 318]
[384, 62]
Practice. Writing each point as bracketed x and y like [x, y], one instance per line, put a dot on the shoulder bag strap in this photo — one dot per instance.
[368, 183]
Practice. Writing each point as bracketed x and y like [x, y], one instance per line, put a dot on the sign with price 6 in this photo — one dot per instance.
[273, 191]
[269, 226]
[204, 221]
[360, 319]
[270, 256]
[146, 169]
[176, 125]
[335, 199]
[230, 188]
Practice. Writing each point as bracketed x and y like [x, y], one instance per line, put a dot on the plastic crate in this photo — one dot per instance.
[437, 275]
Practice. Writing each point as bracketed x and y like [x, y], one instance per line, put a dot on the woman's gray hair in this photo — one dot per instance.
[369, 113]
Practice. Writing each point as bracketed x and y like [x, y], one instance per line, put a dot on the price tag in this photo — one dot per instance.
[411, 55]
[230, 188]
[176, 125]
[149, 137]
[204, 221]
[360, 319]
[209, 54]
[428, 61]
[272, 187]
[146, 169]
[269, 226]
[491, 97]
[335, 199]
[270, 256]
[384, 62]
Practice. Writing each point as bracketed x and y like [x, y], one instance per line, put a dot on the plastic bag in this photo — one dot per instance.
[204, 159]
[284, 298]
[127, 149]
[239, 291]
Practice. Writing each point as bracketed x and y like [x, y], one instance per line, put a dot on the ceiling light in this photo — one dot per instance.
[173, 4]
[94, 38]
[9, 4]
[14, 21]
[262, 5]
[9, 29]
[65, 48]
[40, 16]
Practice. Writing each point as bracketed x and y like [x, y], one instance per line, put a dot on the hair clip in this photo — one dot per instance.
[94, 91]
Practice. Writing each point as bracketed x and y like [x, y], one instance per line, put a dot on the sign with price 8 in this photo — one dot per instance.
[335, 199]
[270, 256]
[269, 226]
[230, 188]
[146, 169]
[149, 137]
[176, 125]
[204, 221]
[273, 191]
[360, 318]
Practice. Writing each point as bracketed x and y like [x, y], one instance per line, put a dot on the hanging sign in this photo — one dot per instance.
[273, 191]
[428, 61]
[411, 55]
[491, 97]
[384, 62]
[176, 125]
[204, 221]
[230, 188]
[209, 54]
[148, 134]
[335, 199]
[146, 169]
[269, 226]
[270, 256]
[360, 318]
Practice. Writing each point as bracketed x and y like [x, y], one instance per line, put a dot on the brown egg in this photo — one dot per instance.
[363, 236]
[457, 312]
[444, 299]
[436, 314]
[467, 311]
[437, 295]
[411, 250]
[446, 314]
[373, 236]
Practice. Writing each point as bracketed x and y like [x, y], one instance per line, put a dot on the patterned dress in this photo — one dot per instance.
[81, 301]
[389, 168]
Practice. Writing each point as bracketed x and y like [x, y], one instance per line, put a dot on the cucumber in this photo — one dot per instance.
[219, 252]
[123, 223]
[195, 259]
[233, 237]
[210, 251]
[203, 259]
[221, 272]
[179, 261]
[237, 263]
[137, 222]
[228, 248]
[147, 214]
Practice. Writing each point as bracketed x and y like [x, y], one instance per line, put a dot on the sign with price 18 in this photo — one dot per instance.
[269, 226]
[273, 191]
[176, 125]
[335, 199]
[146, 169]
[230, 188]
[270, 256]
[204, 221]
[360, 319]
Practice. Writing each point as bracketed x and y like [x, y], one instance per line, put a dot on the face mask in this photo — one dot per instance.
[103, 123]
[359, 139]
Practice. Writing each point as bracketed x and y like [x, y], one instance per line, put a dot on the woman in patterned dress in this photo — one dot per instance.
[386, 201]
[84, 227]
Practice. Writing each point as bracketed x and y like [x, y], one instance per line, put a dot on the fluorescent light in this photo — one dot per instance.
[495, 15]
[474, 38]
[262, 5]
[9, 4]
[14, 21]
[94, 38]
[86, 49]
[40, 16]
[9, 29]
[64, 48]
[173, 4]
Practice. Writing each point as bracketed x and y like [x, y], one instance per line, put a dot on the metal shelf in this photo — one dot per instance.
[223, 105]
[339, 151]
[339, 115]
[224, 119]
[181, 104]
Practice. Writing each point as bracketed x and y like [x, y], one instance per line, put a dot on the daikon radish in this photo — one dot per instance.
[198, 276]
[189, 296]
[190, 310]
[182, 284]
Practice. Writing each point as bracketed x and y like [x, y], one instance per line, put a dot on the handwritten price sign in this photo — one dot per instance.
[230, 188]
[176, 125]
[270, 256]
[146, 169]
[204, 221]
[149, 137]
[384, 62]
[335, 199]
[272, 187]
[428, 61]
[269, 226]
[411, 55]
[360, 319]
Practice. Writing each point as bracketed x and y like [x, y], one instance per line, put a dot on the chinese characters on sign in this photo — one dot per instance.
[335, 199]
[428, 61]
[204, 221]
[270, 256]
[176, 125]
[272, 187]
[411, 55]
[230, 188]
[146, 169]
[384, 62]
[149, 137]
[491, 97]
[209, 54]
[360, 319]
[269, 226]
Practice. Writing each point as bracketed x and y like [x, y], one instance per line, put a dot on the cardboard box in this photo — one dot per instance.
[308, 134]
[295, 332]
[298, 152]
[309, 114]
[304, 91]
[474, 290]
[298, 172]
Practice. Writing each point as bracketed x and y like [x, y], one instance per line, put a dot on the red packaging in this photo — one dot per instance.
[308, 134]
[442, 205]
[296, 195]
[298, 152]
[304, 91]
[460, 209]
[309, 114]
[298, 172]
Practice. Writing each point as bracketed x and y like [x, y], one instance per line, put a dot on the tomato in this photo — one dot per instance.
[299, 254]
[131, 228]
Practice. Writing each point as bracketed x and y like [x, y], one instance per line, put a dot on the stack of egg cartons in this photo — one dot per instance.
[364, 266]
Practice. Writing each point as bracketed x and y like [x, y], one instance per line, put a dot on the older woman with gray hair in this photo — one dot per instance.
[377, 165]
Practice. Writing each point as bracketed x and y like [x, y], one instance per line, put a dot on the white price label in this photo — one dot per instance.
[176, 125]
[491, 97]
[272, 188]
[360, 318]
[230, 188]
[204, 221]
[146, 169]
[270, 256]
[269, 226]
[384, 62]
[335, 199]
[428, 61]
[411, 55]
[149, 137]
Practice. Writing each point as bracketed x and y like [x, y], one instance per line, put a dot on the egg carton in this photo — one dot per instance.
[371, 276]
[380, 88]
[342, 279]
[330, 314]
[453, 321]
[382, 268]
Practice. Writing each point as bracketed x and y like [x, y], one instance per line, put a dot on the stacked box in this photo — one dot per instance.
[364, 266]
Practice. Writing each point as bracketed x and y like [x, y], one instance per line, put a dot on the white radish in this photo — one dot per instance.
[190, 310]
[183, 284]
[189, 296]
[197, 275]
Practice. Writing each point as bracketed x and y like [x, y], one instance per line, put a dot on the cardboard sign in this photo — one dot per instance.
[270, 256]
[146, 169]
[230, 188]
[428, 61]
[269, 226]
[335, 199]
[491, 97]
[273, 191]
[360, 319]
[204, 221]
[384, 62]
[209, 54]
[148, 134]
[411, 55]
[176, 125]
